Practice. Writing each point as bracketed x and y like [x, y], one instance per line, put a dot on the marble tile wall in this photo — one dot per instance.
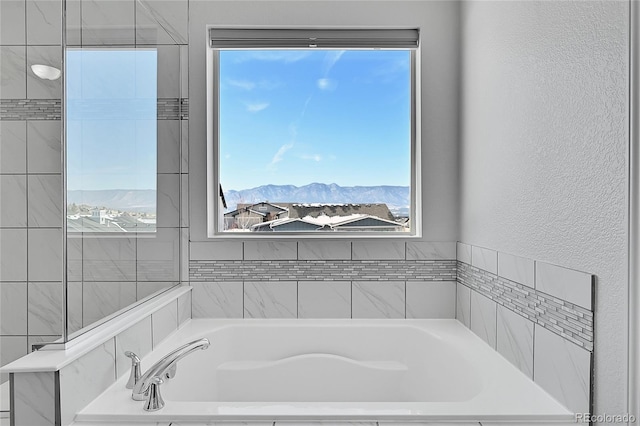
[105, 274]
[537, 315]
[323, 279]
[81, 381]
[30, 180]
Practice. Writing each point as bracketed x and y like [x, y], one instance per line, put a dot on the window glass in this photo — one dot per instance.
[315, 140]
[111, 140]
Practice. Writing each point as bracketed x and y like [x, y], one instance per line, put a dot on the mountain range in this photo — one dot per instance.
[133, 200]
[397, 198]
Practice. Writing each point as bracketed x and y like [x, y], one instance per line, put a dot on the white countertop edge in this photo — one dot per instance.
[55, 360]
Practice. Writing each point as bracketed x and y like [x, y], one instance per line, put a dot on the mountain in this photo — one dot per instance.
[133, 200]
[397, 198]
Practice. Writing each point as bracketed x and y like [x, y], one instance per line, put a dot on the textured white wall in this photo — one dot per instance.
[440, 40]
[543, 150]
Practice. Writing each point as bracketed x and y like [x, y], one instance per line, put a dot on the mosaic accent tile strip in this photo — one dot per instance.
[566, 319]
[323, 270]
[173, 109]
[30, 109]
[51, 109]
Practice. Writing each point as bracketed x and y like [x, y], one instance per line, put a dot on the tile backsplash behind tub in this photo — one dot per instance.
[323, 279]
[537, 315]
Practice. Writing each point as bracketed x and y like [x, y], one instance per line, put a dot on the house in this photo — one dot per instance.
[307, 217]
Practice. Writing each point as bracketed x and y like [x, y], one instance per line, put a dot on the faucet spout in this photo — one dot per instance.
[165, 367]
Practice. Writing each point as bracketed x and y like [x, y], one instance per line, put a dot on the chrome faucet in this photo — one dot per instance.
[165, 368]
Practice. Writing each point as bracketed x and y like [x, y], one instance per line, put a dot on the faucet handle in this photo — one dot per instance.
[154, 400]
[135, 374]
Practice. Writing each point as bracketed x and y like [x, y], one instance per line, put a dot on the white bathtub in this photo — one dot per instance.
[334, 370]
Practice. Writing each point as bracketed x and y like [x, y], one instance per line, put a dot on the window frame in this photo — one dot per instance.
[215, 214]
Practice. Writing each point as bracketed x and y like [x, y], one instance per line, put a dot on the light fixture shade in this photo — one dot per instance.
[46, 72]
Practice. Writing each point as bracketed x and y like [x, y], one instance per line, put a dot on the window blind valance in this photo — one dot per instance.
[234, 38]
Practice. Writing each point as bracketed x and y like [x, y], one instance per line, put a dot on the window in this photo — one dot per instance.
[111, 101]
[313, 132]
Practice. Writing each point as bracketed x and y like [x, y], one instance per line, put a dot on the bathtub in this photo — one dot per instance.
[347, 370]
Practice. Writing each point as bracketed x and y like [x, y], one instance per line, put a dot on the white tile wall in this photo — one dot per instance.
[161, 22]
[463, 252]
[483, 318]
[378, 250]
[13, 308]
[270, 250]
[13, 262]
[484, 259]
[147, 288]
[271, 299]
[45, 308]
[108, 22]
[431, 250]
[45, 254]
[378, 299]
[169, 146]
[562, 369]
[434, 299]
[515, 268]
[38, 88]
[137, 339]
[13, 201]
[564, 283]
[104, 298]
[217, 300]
[184, 201]
[13, 84]
[231, 250]
[324, 250]
[74, 306]
[168, 193]
[158, 257]
[13, 154]
[45, 200]
[165, 322]
[43, 146]
[463, 304]
[44, 22]
[86, 378]
[13, 347]
[514, 339]
[184, 129]
[184, 308]
[169, 71]
[35, 399]
[109, 259]
[324, 299]
[12, 22]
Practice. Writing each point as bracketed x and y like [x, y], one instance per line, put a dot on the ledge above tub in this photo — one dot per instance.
[54, 360]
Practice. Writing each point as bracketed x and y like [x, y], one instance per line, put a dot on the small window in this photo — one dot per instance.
[313, 132]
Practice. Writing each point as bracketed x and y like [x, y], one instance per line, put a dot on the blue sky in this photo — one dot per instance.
[111, 119]
[300, 116]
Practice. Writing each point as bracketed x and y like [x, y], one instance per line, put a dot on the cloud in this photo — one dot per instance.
[315, 157]
[257, 106]
[279, 155]
[331, 58]
[327, 84]
[242, 84]
[251, 85]
[286, 56]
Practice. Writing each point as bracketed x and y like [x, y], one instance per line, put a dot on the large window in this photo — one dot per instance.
[313, 131]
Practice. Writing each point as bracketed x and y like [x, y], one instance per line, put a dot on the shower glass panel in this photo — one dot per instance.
[123, 135]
